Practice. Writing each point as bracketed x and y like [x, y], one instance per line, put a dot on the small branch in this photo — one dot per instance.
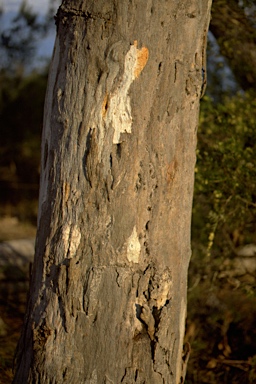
[246, 201]
[236, 363]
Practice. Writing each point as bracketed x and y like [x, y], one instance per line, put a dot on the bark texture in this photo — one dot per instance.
[108, 291]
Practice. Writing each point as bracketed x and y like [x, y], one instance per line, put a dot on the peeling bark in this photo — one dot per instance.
[108, 293]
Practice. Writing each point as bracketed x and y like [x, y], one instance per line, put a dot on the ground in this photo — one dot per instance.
[13, 296]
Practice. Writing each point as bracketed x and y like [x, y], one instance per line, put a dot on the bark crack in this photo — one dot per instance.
[154, 294]
[146, 317]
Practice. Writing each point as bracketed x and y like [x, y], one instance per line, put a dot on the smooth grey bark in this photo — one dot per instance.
[108, 292]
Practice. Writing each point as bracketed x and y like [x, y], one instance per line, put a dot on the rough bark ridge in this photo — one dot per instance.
[108, 291]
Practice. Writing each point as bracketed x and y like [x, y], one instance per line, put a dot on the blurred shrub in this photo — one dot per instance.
[224, 209]
[221, 307]
[21, 119]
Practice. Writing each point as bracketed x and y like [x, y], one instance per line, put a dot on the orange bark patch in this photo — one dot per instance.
[171, 171]
[142, 58]
[66, 192]
[105, 105]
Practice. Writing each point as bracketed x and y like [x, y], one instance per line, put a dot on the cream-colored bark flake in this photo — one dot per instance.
[119, 106]
[75, 238]
[71, 237]
[133, 247]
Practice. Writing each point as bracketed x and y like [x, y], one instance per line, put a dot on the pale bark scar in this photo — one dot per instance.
[133, 247]
[71, 237]
[116, 107]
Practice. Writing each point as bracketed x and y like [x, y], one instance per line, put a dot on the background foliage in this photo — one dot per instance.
[225, 179]
[21, 114]
[221, 307]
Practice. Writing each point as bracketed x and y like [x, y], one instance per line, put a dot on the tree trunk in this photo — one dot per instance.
[108, 291]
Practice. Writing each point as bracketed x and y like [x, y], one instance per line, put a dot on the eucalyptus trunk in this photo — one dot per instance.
[109, 283]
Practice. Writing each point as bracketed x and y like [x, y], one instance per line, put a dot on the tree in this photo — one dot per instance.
[108, 289]
[19, 39]
[233, 26]
[17, 43]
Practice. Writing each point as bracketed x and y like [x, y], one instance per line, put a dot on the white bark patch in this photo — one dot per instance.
[119, 110]
[71, 237]
[133, 247]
